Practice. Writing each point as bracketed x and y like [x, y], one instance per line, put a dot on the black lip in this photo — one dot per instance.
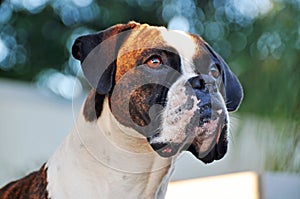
[166, 154]
[158, 146]
[167, 149]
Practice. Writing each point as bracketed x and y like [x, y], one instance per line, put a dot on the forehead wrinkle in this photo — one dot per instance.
[142, 38]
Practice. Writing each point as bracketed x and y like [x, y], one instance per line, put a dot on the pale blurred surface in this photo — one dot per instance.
[245, 185]
[234, 186]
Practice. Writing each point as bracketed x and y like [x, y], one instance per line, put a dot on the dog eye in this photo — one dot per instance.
[154, 62]
[214, 71]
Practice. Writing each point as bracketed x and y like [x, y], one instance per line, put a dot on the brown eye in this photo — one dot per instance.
[154, 62]
[214, 71]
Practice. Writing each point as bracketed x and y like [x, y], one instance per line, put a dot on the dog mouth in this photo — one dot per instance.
[215, 151]
[203, 141]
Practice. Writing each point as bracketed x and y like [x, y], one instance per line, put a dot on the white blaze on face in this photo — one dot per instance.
[175, 116]
[185, 46]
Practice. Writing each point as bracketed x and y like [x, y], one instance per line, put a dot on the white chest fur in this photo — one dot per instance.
[99, 160]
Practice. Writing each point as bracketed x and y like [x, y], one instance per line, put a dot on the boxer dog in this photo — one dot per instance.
[155, 93]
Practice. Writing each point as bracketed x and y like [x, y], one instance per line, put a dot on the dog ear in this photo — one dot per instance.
[233, 88]
[98, 53]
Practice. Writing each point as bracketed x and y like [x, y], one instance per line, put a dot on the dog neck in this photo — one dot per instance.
[104, 159]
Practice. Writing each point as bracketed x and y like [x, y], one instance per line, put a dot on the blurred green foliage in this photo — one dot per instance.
[260, 40]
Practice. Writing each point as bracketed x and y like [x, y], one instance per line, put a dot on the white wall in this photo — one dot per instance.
[31, 127]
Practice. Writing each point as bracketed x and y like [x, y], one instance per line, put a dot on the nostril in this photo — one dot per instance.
[197, 82]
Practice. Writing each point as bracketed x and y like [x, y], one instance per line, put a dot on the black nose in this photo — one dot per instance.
[197, 82]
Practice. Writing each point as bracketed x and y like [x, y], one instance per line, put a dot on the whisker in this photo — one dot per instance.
[234, 124]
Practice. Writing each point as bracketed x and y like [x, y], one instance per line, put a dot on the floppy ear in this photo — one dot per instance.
[233, 88]
[98, 53]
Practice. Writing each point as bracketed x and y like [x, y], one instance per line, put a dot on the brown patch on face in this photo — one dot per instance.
[143, 37]
[120, 99]
[32, 186]
[139, 97]
[131, 101]
[137, 105]
[93, 106]
[138, 87]
[201, 58]
[142, 99]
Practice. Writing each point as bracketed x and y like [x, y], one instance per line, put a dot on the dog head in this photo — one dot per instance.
[169, 86]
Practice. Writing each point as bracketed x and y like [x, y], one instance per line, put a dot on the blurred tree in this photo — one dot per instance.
[260, 41]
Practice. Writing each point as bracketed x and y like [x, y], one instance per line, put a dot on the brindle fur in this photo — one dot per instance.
[32, 186]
